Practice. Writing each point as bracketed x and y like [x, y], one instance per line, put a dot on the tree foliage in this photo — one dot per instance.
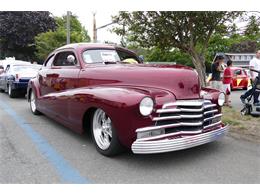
[190, 32]
[18, 29]
[48, 41]
[252, 30]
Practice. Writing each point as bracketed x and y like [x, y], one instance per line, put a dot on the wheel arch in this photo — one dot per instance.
[29, 90]
[86, 120]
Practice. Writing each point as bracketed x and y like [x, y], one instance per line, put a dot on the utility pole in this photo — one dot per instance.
[94, 28]
[68, 27]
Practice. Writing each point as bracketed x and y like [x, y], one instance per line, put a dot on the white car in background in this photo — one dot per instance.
[15, 78]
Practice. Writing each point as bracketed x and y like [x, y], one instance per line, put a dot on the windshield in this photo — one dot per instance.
[19, 68]
[106, 55]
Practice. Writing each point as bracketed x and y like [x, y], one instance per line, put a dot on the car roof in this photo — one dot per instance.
[91, 46]
[11, 62]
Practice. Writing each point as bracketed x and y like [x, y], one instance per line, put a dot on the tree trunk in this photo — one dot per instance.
[199, 64]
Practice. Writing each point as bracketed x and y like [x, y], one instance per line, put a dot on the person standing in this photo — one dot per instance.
[216, 69]
[227, 79]
[254, 64]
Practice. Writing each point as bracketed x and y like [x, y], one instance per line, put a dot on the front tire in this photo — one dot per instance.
[32, 101]
[104, 134]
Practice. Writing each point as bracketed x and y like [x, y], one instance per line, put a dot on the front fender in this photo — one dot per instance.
[211, 94]
[120, 103]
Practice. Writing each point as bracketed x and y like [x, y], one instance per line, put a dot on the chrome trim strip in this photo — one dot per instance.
[167, 145]
[198, 102]
[168, 126]
[209, 106]
[177, 117]
[184, 103]
[210, 112]
[213, 117]
[169, 135]
[207, 101]
[179, 110]
[212, 125]
[168, 110]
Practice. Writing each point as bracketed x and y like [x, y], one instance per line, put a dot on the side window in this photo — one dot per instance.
[125, 55]
[238, 72]
[66, 58]
[48, 63]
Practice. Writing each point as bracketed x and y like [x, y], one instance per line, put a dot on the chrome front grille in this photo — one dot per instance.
[187, 115]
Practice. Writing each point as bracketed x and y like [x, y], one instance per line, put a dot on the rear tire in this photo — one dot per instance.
[11, 92]
[104, 134]
[32, 101]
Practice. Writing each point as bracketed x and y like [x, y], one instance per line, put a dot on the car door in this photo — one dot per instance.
[61, 77]
[2, 78]
[44, 81]
[245, 79]
[240, 78]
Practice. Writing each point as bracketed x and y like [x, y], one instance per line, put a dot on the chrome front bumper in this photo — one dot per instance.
[151, 146]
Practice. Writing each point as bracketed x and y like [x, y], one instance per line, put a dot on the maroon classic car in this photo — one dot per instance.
[145, 108]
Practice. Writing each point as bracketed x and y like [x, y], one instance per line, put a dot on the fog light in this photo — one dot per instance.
[150, 133]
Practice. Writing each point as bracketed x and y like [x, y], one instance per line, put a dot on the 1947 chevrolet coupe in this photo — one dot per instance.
[145, 108]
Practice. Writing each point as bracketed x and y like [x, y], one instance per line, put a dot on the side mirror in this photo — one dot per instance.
[71, 59]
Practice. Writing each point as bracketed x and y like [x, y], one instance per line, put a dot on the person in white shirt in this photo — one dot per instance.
[254, 64]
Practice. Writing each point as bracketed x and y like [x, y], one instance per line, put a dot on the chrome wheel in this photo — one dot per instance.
[102, 129]
[32, 102]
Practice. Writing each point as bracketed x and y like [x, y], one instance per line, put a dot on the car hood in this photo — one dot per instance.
[181, 81]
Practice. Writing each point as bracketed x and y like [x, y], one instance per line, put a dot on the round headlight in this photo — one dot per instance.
[221, 99]
[146, 106]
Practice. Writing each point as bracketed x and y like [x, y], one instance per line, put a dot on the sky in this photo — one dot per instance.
[102, 18]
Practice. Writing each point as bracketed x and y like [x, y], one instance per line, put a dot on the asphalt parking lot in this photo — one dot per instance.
[35, 149]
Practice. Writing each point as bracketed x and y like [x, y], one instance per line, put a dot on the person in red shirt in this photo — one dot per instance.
[227, 79]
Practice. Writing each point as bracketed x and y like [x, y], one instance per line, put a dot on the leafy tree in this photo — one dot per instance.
[190, 32]
[252, 30]
[18, 29]
[247, 46]
[156, 54]
[48, 41]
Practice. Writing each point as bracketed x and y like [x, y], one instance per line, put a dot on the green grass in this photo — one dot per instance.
[247, 127]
